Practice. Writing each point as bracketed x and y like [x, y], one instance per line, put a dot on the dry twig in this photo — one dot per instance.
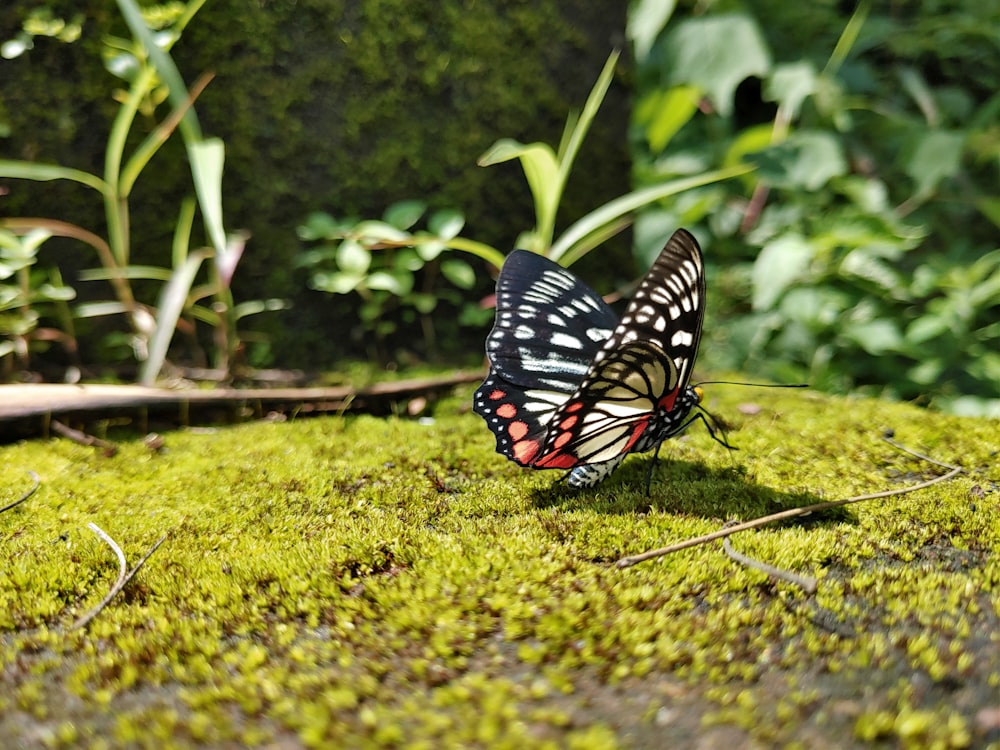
[123, 576]
[627, 562]
[82, 438]
[26, 495]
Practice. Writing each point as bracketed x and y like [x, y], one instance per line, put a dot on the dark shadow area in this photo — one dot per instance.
[687, 488]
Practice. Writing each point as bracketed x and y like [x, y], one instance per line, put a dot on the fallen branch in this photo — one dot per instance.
[806, 583]
[26, 495]
[627, 562]
[123, 576]
[82, 438]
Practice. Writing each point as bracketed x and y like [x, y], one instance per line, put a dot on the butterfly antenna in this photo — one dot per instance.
[753, 385]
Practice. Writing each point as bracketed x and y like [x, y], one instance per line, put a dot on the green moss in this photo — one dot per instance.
[372, 583]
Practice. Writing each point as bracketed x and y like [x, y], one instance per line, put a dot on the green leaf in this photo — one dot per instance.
[715, 54]
[154, 273]
[459, 273]
[98, 309]
[646, 20]
[404, 214]
[53, 293]
[424, 303]
[789, 85]
[372, 232]
[936, 156]
[172, 300]
[806, 159]
[446, 223]
[926, 328]
[865, 264]
[257, 306]
[352, 258]
[541, 170]
[876, 337]
[669, 111]
[566, 249]
[336, 282]
[779, 264]
[207, 158]
[430, 248]
[26, 170]
[989, 206]
[318, 225]
[398, 284]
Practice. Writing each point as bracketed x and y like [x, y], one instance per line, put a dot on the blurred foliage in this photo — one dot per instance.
[29, 294]
[143, 62]
[344, 263]
[350, 106]
[862, 254]
[399, 284]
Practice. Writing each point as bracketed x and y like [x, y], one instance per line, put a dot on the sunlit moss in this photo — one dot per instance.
[366, 582]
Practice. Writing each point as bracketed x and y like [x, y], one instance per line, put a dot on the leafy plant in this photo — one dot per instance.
[404, 283]
[145, 64]
[846, 286]
[343, 263]
[26, 295]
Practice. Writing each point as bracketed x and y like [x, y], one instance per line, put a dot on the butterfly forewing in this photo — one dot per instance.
[549, 325]
[669, 307]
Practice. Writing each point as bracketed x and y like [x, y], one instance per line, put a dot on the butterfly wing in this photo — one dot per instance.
[641, 369]
[549, 324]
[549, 327]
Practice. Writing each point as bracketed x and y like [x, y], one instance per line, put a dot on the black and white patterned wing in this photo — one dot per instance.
[668, 310]
[549, 327]
[549, 324]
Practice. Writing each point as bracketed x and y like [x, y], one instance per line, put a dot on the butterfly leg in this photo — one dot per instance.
[652, 465]
[714, 428]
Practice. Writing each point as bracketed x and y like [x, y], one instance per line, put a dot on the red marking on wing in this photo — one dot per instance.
[525, 450]
[497, 394]
[556, 461]
[567, 424]
[507, 411]
[667, 402]
[517, 430]
[637, 431]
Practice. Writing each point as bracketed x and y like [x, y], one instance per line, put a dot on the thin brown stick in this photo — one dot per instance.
[82, 437]
[27, 494]
[806, 583]
[627, 562]
[123, 576]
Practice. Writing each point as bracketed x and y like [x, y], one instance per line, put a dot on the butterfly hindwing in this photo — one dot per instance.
[613, 407]
[518, 417]
[633, 379]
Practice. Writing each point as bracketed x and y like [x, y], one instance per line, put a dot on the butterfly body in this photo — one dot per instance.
[571, 386]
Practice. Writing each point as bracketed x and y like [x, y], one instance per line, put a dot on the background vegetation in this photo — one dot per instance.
[327, 105]
[861, 253]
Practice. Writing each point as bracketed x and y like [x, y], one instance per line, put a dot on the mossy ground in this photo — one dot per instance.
[363, 582]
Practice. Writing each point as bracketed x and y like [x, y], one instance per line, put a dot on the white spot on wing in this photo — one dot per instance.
[682, 338]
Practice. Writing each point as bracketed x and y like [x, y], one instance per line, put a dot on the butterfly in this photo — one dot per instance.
[570, 385]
